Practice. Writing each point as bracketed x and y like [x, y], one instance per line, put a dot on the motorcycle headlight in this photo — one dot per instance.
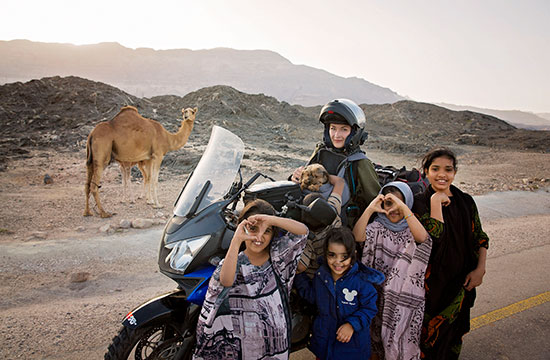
[184, 251]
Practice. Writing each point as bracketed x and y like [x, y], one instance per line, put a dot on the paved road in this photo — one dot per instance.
[515, 280]
[509, 204]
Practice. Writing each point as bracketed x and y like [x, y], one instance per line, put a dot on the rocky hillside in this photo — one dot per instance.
[409, 126]
[60, 112]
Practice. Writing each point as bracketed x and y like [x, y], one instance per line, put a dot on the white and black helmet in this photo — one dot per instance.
[345, 111]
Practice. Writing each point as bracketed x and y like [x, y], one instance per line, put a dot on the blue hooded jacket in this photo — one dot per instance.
[350, 299]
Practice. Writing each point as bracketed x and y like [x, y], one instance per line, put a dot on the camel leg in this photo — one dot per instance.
[147, 172]
[154, 182]
[94, 169]
[89, 172]
[97, 161]
[145, 169]
[94, 188]
[125, 169]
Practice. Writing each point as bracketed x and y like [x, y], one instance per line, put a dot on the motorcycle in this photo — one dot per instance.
[193, 243]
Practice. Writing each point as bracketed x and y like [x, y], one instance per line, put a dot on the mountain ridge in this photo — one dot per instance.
[147, 72]
[518, 118]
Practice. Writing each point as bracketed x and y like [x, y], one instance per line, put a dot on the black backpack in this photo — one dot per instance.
[414, 178]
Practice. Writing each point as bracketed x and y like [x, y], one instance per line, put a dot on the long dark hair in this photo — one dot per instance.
[342, 235]
[436, 153]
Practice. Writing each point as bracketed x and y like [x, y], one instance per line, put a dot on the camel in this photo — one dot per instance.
[131, 139]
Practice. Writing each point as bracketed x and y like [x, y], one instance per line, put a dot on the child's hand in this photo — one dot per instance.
[344, 333]
[243, 234]
[256, 225]
[474, 279]
[260, 220]
[297, 174]
[441, 198]
[376, 204]
[392, 202]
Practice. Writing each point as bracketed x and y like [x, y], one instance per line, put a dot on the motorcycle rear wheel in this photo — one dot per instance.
[151, 343]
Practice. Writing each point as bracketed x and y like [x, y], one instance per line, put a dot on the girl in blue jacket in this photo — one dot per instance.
[344, 294]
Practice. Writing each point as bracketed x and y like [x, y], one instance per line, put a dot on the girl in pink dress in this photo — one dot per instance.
[396, 244]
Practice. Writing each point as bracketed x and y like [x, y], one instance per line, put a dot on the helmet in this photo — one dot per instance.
[344, 111]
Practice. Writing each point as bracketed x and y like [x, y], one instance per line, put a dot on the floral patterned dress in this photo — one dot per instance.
[395, 330]
[251, 319]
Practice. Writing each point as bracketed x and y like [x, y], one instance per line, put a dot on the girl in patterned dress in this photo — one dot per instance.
[245, 314]
[396, 244]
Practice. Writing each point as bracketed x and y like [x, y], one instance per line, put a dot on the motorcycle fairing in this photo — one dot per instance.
[198, 294]
[173, 304]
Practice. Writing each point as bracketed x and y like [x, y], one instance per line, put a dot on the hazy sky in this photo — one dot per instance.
[486, 53]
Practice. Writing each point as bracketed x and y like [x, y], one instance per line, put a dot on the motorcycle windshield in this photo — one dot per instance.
[219, 165]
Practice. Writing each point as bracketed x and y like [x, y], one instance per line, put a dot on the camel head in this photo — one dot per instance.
[189, 114]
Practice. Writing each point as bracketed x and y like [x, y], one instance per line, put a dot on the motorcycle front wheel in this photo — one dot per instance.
[152, 342]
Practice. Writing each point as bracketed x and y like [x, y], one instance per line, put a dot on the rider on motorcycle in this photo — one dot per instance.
[340, 153]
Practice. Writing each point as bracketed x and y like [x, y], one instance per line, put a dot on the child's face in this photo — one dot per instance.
[338, 134]
[263, 238]
[394, 215]
[338, 260]
[441, 174]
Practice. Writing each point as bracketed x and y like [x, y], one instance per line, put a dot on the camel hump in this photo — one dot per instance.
[128, 107]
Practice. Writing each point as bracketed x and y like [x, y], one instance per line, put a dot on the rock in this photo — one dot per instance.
[159, 215]
[38, 235]
[80, 229]
[159, 221]
[125, 224]
[107, 229]
[79, 277]
[142, 223]
[48, 179]
[4, 231]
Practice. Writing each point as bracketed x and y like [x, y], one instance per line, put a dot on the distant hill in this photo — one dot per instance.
[60, 112]
[521, 119]
[147, 72]
[544, 115]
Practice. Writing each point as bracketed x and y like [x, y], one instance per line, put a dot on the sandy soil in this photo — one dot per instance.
[34, 210]
[48, 247]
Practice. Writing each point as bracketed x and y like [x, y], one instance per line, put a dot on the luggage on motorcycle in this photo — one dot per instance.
[277, 193]
[414, 178]
[318, 214]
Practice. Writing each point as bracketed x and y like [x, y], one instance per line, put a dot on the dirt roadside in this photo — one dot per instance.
[48, 314]
[33, 210]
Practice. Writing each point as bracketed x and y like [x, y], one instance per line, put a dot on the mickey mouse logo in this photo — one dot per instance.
[349, 295]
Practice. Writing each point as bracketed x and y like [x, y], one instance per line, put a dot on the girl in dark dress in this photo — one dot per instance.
[457, 262]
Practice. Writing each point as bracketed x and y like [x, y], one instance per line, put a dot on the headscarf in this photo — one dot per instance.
[409, 200]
